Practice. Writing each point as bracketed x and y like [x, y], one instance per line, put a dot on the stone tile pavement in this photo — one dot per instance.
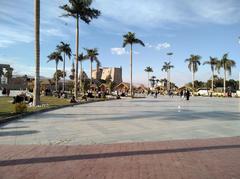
[180, 159]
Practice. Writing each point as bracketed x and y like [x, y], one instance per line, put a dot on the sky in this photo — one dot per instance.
[205, 28]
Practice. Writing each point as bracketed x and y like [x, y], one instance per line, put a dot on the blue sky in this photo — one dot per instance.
[206, 27]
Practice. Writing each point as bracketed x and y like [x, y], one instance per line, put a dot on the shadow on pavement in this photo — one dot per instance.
[18, 133]
[111, 155]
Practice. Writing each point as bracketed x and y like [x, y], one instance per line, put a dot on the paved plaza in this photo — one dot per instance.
[133, 138]
[127, 120]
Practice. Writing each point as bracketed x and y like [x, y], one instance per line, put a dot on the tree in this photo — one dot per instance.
[58, 75]
[212, 62]
[81, 58]
[130, 39]
[227, 65]
[8, 74]
[72, 72]
[167, 68]
[55, 56]
[1, 74]
[66, 50]
[36, 93]
[153, 81]
[92, 55]
[193, 63]
[148, 70]
[80, 10]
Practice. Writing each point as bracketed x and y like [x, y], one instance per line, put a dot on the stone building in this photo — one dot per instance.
[106, 72]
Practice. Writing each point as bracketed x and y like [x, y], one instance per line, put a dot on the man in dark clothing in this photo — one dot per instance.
[188, 95]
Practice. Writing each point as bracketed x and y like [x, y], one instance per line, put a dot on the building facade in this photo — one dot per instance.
[115, 74]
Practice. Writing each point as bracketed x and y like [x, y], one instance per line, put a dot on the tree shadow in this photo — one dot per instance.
[174, 115]
[7, 128]
[18, 133]
[112, 155]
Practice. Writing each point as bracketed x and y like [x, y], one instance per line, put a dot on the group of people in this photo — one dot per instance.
[185, 94]
[22, 98]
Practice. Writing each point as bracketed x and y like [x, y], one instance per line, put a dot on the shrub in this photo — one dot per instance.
[20, 108]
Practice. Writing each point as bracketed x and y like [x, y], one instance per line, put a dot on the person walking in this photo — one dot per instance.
[187, 95]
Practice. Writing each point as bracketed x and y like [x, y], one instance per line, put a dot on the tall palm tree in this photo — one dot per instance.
[36, 93]
[212, 62]
[55, 56]
[66, 50]
[8, 75]
[81, 58]
[227, 65]
[148, 70]
[80, 10]
[1, 74]
[193, 63]
[130, 39]
[167, 68]
[92, 55]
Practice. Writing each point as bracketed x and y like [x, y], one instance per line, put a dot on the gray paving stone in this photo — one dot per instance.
[128, 120]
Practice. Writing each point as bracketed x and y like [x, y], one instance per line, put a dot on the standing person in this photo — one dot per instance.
[181, 93]
[8, 92]
[187, 95]
[156, 93]
[184, 94]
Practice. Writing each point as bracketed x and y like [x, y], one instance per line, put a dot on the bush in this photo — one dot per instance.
[20, 108]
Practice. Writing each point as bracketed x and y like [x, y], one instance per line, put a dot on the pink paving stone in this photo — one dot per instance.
[206, 158]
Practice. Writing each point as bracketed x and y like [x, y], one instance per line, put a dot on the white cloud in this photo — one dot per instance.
[148, 45]
[119, 51]
[17, 21]
[161, 46]
[161, 13]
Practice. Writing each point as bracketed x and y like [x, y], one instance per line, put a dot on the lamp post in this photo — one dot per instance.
[239, 72]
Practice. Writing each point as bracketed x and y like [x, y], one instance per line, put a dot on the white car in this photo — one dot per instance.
[203, 92]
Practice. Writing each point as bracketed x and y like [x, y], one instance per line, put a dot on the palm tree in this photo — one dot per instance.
[66, 50]
[36, 93]
[80, 10]
[167, 68]
[193, 63]
[212, 62]
[148, 70]
[153, 80]
[130, 39]
[8, 74]
[55, 56]
[81, 58]
[227, 65]
[92, 56]
[1, 74]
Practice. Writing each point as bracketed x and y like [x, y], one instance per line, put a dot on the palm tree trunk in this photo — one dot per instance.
[56, 77]
[224, 82]
[212, 80]
[148, 79]
[80, 75]
[169, 79]
[76, 61]
[193, 77]
[64, 72]
[131, 75]
[91, 73]
[36, 95]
